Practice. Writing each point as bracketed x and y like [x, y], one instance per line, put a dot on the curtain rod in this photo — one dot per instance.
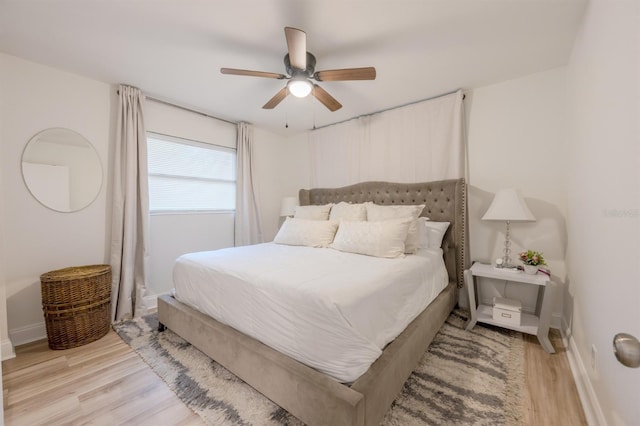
[464, 95]
[160, 101]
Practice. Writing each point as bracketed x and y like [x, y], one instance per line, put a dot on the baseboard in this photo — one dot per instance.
[151, 303]
[28, 333]
[590, 404]
[556, 320]
[7, 350]
[565, 332]
[31, 333]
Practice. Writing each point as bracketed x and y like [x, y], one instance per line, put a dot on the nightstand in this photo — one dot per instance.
[536, 324]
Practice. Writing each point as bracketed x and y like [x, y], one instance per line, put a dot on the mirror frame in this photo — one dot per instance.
[51, 163]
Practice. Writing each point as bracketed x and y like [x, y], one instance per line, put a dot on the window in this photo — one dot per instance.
[186, 175]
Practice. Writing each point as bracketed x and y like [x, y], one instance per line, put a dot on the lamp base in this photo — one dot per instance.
[507, 267]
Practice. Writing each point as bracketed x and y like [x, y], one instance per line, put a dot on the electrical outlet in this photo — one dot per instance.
[594, 359]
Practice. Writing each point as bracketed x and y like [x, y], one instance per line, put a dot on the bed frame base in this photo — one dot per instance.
[311, 396]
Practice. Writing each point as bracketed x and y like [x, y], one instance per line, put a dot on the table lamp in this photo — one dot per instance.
[508, 206]
[288, 206]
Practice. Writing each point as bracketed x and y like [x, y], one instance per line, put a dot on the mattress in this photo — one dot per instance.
[330, 310]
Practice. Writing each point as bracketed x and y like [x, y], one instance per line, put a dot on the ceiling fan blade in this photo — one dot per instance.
[250, 73]
[367, 73]
[273, 102]
[325, 98]
[297, 45]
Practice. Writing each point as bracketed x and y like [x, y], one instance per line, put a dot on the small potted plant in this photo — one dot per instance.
[531, 259]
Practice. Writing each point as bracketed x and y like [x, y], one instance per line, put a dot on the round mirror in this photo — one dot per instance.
[62, 170]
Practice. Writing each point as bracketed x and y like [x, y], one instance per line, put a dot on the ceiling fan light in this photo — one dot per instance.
[299, 87]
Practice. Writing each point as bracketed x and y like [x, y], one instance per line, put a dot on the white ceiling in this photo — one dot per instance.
[173, 49]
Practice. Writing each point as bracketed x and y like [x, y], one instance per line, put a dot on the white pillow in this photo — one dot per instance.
[348, 211]
[313, 212]
[431, 233]
[306, 232]
[377, 213]
[381, 239]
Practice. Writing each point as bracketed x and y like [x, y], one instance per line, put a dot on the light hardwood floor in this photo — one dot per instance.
[551, 394]
[106, 383]
[101, 383]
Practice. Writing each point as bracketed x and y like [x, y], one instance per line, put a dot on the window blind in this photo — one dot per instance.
[186, 175]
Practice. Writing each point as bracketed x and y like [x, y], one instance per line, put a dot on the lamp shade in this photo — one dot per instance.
[288, 207]
[508, 205]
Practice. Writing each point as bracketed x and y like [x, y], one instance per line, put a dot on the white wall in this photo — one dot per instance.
[35, 238]
[604, 205]
[517, 139]
[171, 234]
[172, 121]
[282, 169]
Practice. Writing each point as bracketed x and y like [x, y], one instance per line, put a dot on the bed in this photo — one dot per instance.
[314, 397]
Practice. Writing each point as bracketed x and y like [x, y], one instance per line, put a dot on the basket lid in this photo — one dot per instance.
[75, 272]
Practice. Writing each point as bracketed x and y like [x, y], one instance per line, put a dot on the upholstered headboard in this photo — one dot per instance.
[445, 201]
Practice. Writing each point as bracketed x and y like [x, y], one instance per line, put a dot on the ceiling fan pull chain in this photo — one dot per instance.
[286, 118]
[313, 107]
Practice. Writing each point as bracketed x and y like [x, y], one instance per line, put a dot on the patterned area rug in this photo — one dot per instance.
[465, 378]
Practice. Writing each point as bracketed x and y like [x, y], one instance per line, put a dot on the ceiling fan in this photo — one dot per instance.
[300, 67]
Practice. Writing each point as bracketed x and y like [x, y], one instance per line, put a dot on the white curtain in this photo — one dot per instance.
[248, 228]
[415, 143]
[130, 217]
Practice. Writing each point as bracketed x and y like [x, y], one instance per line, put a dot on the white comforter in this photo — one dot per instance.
[330, 310]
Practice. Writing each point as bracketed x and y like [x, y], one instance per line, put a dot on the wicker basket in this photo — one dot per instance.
[77, 305]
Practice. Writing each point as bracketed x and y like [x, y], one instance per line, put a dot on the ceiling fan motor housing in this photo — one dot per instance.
[308, 72]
